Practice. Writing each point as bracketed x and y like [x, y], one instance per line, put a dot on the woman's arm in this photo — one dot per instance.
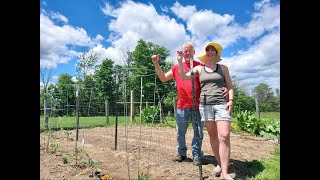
[229, 87]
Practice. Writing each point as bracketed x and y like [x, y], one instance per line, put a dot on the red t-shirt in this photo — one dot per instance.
[184, 87]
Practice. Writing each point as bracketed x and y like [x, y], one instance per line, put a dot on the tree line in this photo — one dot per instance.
[113, 83]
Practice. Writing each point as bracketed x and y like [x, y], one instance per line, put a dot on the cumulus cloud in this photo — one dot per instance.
[57, 42]
[129, 25]
[260, 63]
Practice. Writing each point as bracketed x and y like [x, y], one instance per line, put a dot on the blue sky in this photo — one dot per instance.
[248, 30]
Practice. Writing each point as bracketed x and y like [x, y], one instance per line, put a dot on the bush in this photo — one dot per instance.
[150, 114]
[247, 122]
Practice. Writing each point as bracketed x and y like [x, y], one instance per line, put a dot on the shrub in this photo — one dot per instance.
[150, 114]
[268, 127]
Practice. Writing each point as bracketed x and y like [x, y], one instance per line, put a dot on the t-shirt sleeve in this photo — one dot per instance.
[174, 69]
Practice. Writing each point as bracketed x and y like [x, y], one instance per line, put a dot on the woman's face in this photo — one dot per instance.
[212, 54]
[211, 51]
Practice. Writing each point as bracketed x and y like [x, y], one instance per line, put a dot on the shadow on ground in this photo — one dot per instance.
[242, 169]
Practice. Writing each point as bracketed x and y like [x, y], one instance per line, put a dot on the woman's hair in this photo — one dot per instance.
[212, 47]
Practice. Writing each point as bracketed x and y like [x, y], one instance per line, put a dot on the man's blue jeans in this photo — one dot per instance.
[182, 119]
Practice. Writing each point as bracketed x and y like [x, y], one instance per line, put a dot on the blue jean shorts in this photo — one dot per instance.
[214, 113]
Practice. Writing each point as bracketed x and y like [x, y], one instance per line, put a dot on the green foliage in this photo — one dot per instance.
[54, 148]
[150, 114]
[142, 67]
[248, 122]
[65, 160]
[104, 81]
[87, 61]
[267, 127]
[143, 176]
[266, 99]
[271, 128]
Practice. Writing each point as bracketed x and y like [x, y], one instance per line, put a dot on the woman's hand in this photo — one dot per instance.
[229, 107]
[225, 93]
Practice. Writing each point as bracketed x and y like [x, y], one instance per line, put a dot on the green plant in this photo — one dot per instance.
[150, 114]
[271, 129]
[143, 176]
[247, 122]
[54, 147]
[267, 127]
[65, 160]
[67, 133]
[92, 163]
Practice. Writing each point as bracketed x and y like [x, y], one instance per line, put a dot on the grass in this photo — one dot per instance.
[69, 123]
[269, 115]
[271, 167]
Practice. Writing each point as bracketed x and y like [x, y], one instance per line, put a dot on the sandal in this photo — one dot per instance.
[217, 171]
[226, 178]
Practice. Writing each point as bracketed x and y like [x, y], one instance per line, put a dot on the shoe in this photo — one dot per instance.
[226, 178]
[217, 170]
[196, 161]
[179, 158]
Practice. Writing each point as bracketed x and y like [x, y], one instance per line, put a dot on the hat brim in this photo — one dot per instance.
[203, 58]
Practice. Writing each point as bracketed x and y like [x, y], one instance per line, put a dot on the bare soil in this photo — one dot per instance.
[147, 153]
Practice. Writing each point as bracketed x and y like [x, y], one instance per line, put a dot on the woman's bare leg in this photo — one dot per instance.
[223, 128]
[214, 141]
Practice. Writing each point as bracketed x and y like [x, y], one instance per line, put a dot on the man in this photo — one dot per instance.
[185, 103]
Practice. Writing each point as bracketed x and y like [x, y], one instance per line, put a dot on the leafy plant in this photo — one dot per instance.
[150, 114]
[54, 147]
[268, 127]
[65, 160]
[67, 133]
[143, 176]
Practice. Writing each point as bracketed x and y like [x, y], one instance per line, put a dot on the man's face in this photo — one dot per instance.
[188, 51]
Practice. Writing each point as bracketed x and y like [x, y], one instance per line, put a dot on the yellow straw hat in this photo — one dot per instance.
[217, 46]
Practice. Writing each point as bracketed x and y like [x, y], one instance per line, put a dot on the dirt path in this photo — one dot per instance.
[156, 148]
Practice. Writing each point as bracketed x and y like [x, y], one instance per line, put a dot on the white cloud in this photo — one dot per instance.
[183, 12]
[108, 10]
[59, 17]
[129, 25]
[57, 42]
[267, 18]
[259, 64]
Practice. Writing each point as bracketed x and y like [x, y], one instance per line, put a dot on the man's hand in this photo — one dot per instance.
[180, 55]
[155, 58]
[225, 93]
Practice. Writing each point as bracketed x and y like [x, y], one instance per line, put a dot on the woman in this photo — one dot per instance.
[215, 110]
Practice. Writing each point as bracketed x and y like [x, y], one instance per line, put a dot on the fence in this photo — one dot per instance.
[143, 144]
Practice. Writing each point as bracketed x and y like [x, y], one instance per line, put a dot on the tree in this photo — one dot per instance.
[87, 62]
[243, 101]
[105, 83]
[142, 67]
[45, 76]
[265, 97]
[66, 91]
